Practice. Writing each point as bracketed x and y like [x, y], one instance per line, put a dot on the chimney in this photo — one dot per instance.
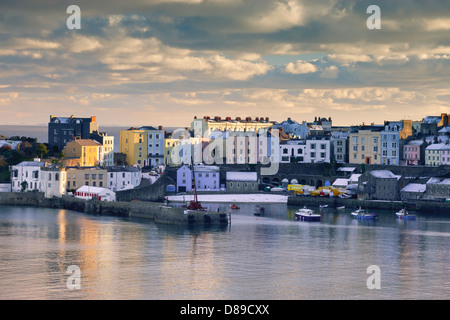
[160, 127]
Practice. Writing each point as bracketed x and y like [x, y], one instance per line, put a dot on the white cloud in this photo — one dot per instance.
[300, 67]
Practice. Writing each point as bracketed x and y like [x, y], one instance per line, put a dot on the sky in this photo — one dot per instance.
[162, 62]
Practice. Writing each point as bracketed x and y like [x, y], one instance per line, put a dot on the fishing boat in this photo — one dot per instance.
[233, 206]
[258, 211]
[361, 214]
[306, 214]
[403, 214]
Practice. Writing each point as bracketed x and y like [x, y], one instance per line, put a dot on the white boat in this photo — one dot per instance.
[323, 206]
[403, 214]
[306, 214]
[361, 214]
[340, 208]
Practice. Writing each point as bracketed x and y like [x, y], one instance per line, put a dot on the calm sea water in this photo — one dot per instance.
[271, 257]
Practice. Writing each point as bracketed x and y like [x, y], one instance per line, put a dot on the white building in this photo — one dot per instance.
[53, 181]
[25, 176]
[101, 194]
[5, 187]
[121, 178]
[314, 150]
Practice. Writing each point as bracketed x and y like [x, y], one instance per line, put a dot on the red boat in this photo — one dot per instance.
[233, 206]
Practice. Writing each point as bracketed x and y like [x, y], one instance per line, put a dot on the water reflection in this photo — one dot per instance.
[267, 257]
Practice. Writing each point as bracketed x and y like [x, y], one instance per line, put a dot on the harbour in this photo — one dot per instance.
[271, 256]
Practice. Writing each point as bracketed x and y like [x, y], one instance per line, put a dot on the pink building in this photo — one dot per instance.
[413, 153]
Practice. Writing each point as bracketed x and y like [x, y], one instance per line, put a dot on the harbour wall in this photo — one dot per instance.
[155, 211]
[422, 206]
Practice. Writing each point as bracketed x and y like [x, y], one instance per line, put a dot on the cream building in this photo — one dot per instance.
[364, 145]
[78, 177]
[208, 125]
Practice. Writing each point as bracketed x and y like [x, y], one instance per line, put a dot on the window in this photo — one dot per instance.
[355, 139]
[94, 176]
[86, 176]
[355, 148]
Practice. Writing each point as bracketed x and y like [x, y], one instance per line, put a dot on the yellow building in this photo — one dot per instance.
[365, 145]
[89, 152]
[133, 143]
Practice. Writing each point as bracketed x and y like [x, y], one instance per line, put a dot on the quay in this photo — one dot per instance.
[155, 211]
[422, 206]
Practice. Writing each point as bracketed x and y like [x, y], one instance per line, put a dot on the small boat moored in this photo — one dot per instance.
[403, 214]
[258, 211]
[361, 214]
[233, 206]
[306, 214]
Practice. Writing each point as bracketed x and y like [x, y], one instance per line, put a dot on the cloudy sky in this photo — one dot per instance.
[152, 62]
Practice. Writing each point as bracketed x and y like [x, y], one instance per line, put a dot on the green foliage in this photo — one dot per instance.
[41, 150]
[24, 186]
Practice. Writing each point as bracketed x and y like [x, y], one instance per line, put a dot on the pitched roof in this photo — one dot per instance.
[87, 142]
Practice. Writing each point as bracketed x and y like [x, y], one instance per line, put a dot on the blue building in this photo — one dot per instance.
[207, 178]
[155, 145]
[390, 144]
[63, 129]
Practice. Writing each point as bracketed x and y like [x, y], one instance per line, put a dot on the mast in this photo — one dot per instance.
[195, 184]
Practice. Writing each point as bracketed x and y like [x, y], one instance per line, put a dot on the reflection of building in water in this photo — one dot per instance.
[193, 268]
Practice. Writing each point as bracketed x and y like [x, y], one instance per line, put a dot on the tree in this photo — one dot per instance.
[24, 185]
[41, 150]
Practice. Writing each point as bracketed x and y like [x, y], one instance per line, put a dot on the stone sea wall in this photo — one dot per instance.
[155, 211]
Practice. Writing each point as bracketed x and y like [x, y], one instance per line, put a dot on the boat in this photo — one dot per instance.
[233, 206]
[258, 211]
[323, 206]
[340, 208]
[345, 196]
[403, 214]
[195, 205]
[306, 214]
[361, 214]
